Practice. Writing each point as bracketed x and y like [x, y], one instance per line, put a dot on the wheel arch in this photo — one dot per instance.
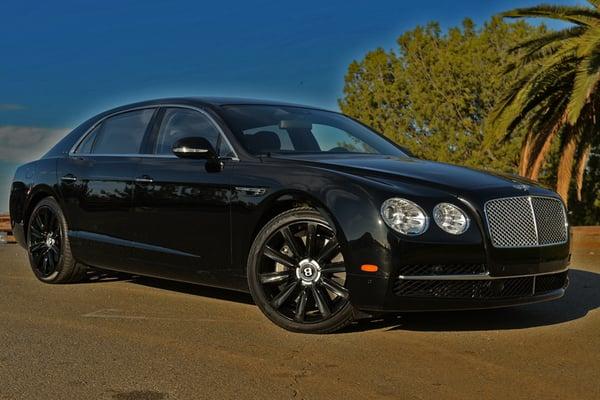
[289, 199]
[37, 194]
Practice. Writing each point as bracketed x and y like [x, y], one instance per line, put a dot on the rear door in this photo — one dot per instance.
[181, 206]
[97, 183]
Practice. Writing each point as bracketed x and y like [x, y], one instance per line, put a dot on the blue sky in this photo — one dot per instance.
[63, 61]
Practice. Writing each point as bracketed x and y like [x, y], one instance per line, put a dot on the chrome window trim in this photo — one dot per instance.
[475, 277]
[529, 197]
[101, 120]
[128, 155]
[72, 152]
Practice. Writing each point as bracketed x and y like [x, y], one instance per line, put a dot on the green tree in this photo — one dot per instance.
[556, 96]
[433, 93]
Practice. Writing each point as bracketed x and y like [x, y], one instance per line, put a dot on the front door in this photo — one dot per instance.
[181, 207]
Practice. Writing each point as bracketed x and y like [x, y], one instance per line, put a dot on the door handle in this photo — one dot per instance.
[69, 178]
[144, 179]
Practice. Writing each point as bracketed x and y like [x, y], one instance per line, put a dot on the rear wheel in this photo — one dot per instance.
[297, 274]
[48, 245]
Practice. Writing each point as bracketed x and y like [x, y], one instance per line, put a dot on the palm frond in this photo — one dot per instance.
[548, 39]
[553, 78]
[550, 48]
[539, 55]
[586, 81]
[546, 112]
[549, 93]
[559, 61]
[595, 3]
[575, 14]
[504, 106]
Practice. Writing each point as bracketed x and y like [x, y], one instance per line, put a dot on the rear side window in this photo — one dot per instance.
[179, 123]
[121, 134]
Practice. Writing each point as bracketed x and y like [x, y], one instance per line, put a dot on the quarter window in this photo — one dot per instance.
[85, 147]
[123, 133]
[179, 123]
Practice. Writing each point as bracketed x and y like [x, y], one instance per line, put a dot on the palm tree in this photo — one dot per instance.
[557, 95]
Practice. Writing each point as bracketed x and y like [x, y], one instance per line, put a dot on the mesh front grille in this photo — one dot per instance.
[467, 289]
[441, 269]
[481, 289]
[526, 221]
[550, 221]
[547, 283]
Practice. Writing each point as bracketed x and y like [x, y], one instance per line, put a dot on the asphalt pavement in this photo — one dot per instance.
[138, 339]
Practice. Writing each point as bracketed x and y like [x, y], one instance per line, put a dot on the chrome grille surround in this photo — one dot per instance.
[526, 221]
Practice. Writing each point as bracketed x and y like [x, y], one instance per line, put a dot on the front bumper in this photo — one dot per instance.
[402, 293]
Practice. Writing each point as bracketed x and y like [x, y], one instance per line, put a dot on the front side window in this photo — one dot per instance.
[179, 123]
[285, 129]
[122, 133]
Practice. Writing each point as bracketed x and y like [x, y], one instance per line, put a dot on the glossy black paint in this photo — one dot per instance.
[193, 222]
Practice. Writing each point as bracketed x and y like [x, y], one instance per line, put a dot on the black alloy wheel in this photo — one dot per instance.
[297, 273]
[45, 242]
[48, 246]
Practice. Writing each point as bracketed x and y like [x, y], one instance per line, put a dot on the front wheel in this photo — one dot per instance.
[297, 274]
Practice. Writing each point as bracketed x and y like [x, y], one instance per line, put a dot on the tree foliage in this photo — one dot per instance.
[432, 94]
[456, 96]
[557, 92]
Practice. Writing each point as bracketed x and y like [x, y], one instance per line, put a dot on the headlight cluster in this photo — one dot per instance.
[450, 218]
[406, 217]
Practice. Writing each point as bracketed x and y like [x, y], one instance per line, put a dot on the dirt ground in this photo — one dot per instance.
[134, 339]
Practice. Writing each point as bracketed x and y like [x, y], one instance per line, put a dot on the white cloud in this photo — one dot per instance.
[26, 143]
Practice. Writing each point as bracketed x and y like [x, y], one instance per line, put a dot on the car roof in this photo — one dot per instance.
[212, 102]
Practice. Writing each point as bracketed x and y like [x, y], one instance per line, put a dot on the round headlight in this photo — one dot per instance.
[450, 218]
[404, 216]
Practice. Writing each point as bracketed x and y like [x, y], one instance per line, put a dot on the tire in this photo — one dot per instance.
[48, 245]
[296, 273]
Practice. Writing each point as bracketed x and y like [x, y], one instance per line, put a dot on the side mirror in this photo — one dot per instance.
[194, 147]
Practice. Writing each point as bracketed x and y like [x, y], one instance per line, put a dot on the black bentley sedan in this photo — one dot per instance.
[317, 216]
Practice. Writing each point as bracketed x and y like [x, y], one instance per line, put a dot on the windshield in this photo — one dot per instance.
[266, 129]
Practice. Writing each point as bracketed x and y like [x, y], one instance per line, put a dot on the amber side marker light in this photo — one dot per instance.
[369, 268]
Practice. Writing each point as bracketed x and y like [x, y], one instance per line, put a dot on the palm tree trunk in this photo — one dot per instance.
[565, 165]
[540, 147]
[525, 154]
[539, 152]
[580, 169]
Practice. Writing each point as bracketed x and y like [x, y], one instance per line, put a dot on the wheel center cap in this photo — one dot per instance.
[50, 241]
[308, 271]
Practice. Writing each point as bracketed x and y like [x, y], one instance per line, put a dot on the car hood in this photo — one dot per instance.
[412, 170]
